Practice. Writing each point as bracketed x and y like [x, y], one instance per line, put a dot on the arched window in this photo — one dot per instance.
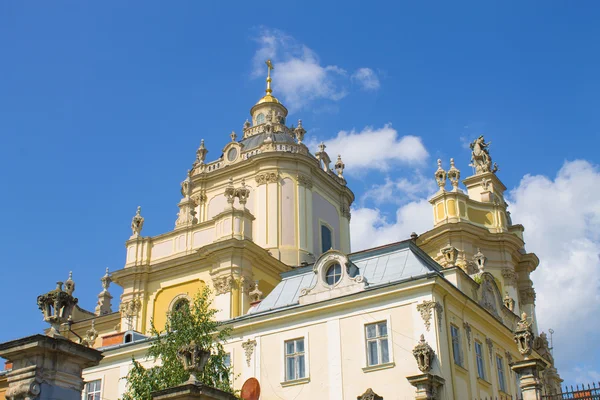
[181, 305]
[333, 274]
[260, 119]
[326, 242]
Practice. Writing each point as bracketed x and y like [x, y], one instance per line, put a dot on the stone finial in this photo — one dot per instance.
[509, 302]
[323, 157]
[242, 193]
[57, 306]
[424, 355]
[299, 131]
[255, 294]
[104, 305]
[201, 153]
[70, 284]
[440, 175]
[230, 192]
[106, 280]
[137, 223]
[194, 359]
[454, 175]
[450, 254]
[233, 136]
[524, 336]
[90, 335]
[480, 260]
[480, 157]
[339, 167]
[414, 236]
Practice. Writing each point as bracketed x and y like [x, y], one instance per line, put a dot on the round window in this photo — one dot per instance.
[333, 274]
[232, 154]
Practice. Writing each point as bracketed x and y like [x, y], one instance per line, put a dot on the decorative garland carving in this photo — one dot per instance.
[467, 327]
[490, 344]
[527, 296]
[510, 277]
[224, 284]
[304, 181]
[267, 177]
[425, 310]
[248, 347]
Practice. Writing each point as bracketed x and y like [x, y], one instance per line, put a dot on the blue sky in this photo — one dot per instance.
[102, 106]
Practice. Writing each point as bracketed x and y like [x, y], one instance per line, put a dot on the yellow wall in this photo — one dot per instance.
[166, 295]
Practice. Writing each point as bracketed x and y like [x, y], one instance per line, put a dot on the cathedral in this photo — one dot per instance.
[446, 314]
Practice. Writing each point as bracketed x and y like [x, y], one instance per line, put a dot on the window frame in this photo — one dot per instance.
[501, 375]
[457, 357]
[335, 275]
[101, 381]
[480, 358]
[365, 361]
[323, 224]
[298, 335]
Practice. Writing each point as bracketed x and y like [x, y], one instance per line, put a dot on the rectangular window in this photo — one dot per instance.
[295, 367]
[93, 390]
[377, 343]
[500, 366]
[456, 345]
[479, 357]
[326, 243]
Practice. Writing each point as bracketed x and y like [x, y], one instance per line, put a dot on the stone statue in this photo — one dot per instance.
[137, 223]
[480, 156]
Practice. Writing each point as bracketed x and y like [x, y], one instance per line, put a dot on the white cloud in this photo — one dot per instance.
[299, 76]
[400, 190]
[367, 78]
[375, 149]
[370, 228]
[562, 222]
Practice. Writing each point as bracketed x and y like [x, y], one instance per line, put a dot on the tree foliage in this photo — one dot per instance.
[190, 322]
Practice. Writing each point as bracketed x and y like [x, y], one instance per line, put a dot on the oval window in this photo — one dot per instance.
[333, 274]
[232, 154]
[260, 119]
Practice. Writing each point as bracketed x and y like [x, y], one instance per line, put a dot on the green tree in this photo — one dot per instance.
[189, 322]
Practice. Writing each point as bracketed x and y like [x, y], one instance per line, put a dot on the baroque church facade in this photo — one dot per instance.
[267, 227]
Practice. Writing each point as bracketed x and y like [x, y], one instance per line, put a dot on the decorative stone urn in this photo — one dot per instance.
[424, 355]
[524, 336]
[194, 359]
[57, 306]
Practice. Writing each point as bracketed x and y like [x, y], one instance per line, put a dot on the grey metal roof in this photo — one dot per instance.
[380, 266]
[255, 141]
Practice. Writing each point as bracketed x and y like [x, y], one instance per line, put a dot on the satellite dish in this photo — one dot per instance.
[250, 390]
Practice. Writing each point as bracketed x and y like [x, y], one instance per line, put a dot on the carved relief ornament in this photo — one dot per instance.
[248, 347]
[467, 327]
[304, 181]
[425, 310]
[369, 395]
[223, 284]
[267, 177]
[510, 277]
[527, 295]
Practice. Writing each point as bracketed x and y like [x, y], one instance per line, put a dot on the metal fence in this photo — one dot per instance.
[583, 392]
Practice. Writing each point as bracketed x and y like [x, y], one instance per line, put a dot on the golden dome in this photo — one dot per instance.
[268, 99]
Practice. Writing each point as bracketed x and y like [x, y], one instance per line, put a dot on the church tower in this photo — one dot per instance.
[264, 206]
[474, 232]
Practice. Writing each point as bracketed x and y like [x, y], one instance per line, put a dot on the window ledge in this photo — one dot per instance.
[484, 382]
[460, 368]
[379, 367]
[295, 382]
